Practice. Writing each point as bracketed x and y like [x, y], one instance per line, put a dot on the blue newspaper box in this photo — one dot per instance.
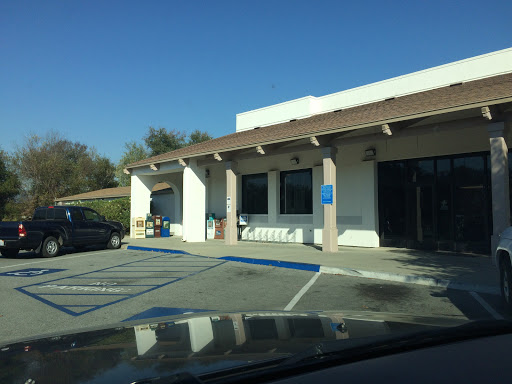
[166, 227]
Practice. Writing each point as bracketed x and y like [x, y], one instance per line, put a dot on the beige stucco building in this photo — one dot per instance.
[418, 161]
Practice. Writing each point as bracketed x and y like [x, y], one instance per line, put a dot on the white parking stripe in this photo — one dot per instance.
[55, 259]
[301, 293]
[487, 307]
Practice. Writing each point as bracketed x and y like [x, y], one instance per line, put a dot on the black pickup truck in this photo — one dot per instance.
[56, 226]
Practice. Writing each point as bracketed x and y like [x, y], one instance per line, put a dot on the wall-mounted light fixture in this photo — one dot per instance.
[369, 154]
[294, 161]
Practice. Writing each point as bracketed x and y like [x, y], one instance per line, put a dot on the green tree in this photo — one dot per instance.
[50, 167]
[162, 141]
[9, 184]
[132, 152]
[157, 141]
[197, 137]
[102, 173]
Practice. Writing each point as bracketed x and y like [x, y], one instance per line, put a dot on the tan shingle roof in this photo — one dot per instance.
[489, 89]
[108, 193]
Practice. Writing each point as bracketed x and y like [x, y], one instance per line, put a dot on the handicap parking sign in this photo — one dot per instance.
[31, 272]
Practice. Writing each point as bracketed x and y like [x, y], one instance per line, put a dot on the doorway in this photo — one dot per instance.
[440, 203]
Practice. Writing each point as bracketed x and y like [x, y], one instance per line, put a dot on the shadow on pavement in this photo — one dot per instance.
[470, 307]
[477, 269]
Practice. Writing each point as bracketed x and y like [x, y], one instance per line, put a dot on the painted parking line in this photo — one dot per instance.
[302, 292]
[487, 307]
[83, 293]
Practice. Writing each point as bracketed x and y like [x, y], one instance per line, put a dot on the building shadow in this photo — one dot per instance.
[477, 269]
[315, 246]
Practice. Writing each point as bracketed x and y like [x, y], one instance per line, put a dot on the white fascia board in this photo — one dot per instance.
[474, 68]
[279, 113]
[164, 167]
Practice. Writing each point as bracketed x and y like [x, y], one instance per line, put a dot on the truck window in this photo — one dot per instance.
[60, 214]
[40, 214]
[76, 215]
[90, 215]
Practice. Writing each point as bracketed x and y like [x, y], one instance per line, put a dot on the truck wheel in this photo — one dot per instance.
[115, 241]
[50, 247]
[10, 252]
[506, 284]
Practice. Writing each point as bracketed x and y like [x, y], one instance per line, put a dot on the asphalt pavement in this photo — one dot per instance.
[97, 288]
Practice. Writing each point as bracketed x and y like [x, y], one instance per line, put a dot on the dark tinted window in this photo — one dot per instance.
[76, 215]
[40, 214]
[90, 215]
[60, 214]
[255, 193]
[296, 192]
[420, 171]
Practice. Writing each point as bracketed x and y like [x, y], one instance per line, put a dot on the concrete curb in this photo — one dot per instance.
[409, 279]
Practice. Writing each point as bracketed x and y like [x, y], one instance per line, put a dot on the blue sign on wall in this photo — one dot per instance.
[327, 194]
[31, 272]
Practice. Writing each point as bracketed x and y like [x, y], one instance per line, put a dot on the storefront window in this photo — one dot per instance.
[255, 193]
[296, 192]
[420, 171]
[469, 198]
[439, 202]
[444, 199]
[392, 199]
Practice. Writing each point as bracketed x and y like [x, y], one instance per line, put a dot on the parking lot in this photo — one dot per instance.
[96, 288]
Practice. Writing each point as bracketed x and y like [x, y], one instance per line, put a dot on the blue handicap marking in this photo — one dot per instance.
[31, 272]
[79, 294]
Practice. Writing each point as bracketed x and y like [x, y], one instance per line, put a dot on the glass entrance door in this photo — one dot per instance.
[420, 220]
[436, 203]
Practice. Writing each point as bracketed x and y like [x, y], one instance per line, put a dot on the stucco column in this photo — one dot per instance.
[231, 235]
[330, 231]
[273, 197]
[194, 203]
[499, 180]
[140, 200]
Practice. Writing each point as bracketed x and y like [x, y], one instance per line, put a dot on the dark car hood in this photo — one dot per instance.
[197, 343]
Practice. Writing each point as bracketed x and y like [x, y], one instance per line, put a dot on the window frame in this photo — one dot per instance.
[246, 199]
[282, 192]
[93, 211]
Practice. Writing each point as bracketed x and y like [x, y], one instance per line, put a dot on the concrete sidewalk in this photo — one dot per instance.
[467, 272]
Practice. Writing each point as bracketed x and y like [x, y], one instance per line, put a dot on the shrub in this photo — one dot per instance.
[116, 210]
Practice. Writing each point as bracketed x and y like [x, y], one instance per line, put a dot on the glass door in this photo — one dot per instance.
[420, 217]
[470, 208]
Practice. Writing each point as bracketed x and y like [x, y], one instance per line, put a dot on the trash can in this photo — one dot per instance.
[150, 227]
[157, 219]
[166, 227]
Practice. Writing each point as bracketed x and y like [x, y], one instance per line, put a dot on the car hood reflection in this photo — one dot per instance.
[194, 343]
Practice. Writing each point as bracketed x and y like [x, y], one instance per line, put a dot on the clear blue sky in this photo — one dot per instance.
[101, 72]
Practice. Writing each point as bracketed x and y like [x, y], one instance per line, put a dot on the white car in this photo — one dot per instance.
[503, 260]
